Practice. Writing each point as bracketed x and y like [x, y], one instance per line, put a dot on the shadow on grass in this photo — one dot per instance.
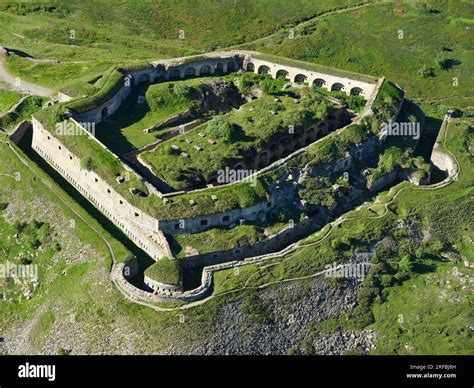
[131, 111]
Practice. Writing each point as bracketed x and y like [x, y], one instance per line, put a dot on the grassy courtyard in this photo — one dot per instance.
[146, 107]
[197, 155]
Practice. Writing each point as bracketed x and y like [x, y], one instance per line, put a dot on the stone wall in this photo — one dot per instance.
[443, 161]
[106, 109]
[293, 74]
[384, 181]
[271, 244]
[162, 288]
[199, 224]
[138, 226]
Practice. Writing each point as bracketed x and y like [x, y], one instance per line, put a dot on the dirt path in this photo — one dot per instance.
[20, 85]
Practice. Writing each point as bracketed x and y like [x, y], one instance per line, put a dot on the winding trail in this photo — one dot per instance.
[20, 85]
[309, 21]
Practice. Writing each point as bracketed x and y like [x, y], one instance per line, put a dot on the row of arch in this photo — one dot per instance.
[189, 72]
[301, 78]
[192, 71]
[223, 67]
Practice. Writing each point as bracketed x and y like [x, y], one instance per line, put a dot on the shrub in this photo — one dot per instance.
[405, 268]
[426, 72]
[269, 86]
[221, 129]
[299, 119]
[181, 90]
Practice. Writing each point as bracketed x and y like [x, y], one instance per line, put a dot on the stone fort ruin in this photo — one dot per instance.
[145, 214]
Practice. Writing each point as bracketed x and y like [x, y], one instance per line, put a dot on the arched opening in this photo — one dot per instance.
[219, 68]
[230, 66]
[212, 181]
[239, 166]
[263, 70]
[175, 74]
[159, 78]
[250, 66]
[105, 113]
[356, 91]
[206, 69]
[282, 74]
[274, 148]
[190, 72]
[322, 129]
[144, 78]
[337, 86]
[262, 160]
[300, 78]
[275, 152]
[319, 82]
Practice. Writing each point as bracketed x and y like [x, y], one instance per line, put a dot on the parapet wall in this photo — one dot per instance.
[220, 63]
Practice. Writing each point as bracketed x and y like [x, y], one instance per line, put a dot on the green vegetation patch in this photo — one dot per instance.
[165, 271]
[7, 99]
[78, 89]
[22, 112]
[145, 108]
[234, 196]
[114, 83]
[197, 155]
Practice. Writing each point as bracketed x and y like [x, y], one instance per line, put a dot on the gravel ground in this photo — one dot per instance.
[291, 307]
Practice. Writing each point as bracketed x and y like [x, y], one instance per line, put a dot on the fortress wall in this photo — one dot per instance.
[272, 244]
[384, 181]
[200, 224]
[443, 161]
[96, 115]
[132, 221]
[162, 287]
[330, 80]
[200, 67]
